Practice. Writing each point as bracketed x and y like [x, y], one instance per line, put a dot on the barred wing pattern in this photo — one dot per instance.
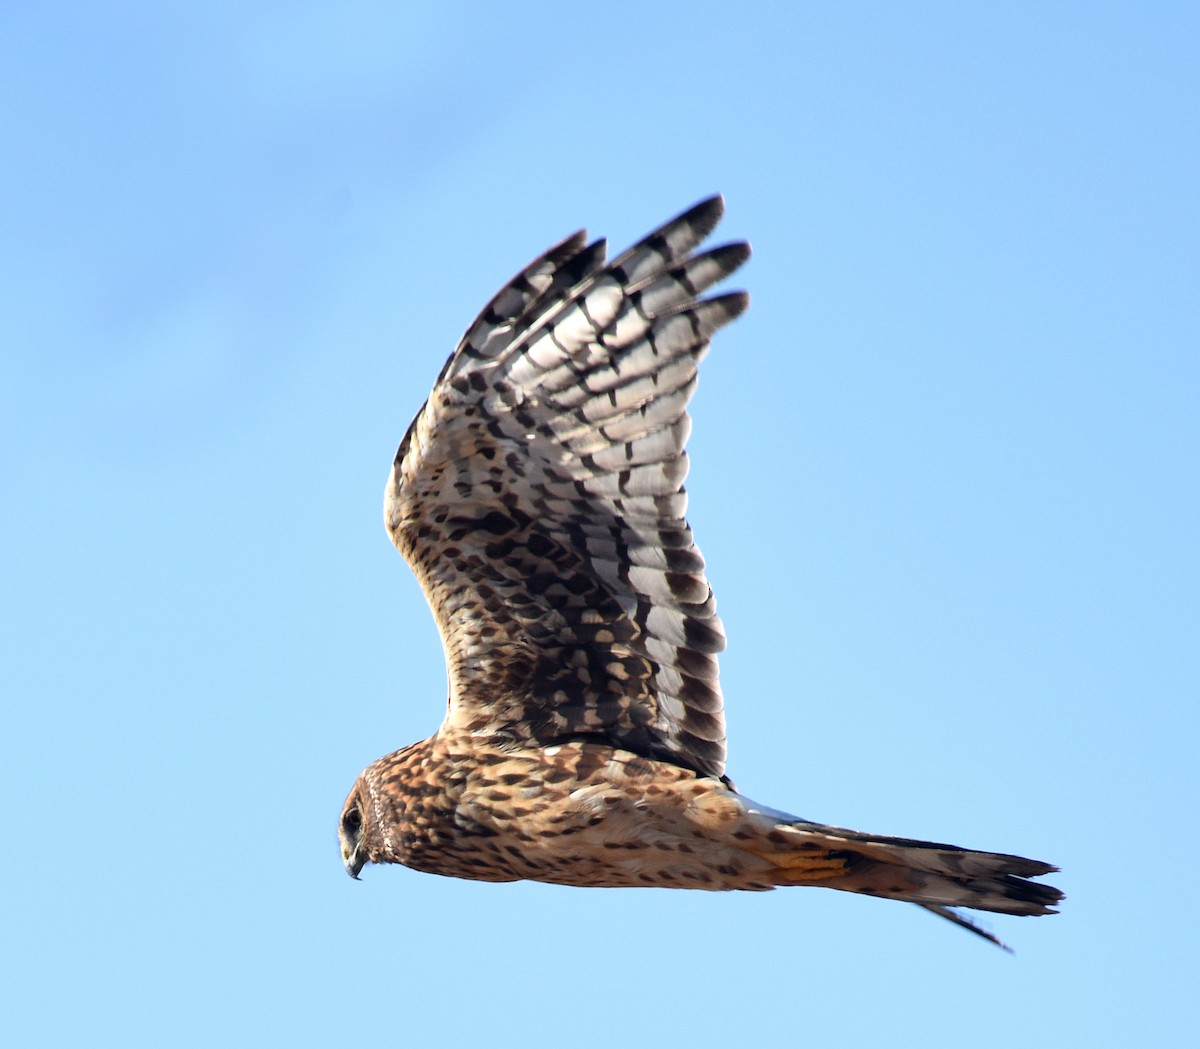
[538, 496]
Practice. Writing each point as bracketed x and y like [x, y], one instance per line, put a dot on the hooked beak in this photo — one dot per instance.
[351, 862]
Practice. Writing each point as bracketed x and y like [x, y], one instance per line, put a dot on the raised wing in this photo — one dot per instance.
[538, 496]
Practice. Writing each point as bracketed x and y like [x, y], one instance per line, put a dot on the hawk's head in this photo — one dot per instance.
[352, 830]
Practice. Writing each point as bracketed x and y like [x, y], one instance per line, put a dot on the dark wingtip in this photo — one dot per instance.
[705, 214]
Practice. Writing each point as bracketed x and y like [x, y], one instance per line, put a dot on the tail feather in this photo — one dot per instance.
[934, 875]
[963, 922]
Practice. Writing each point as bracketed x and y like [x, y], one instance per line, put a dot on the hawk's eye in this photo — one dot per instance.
[352, 821]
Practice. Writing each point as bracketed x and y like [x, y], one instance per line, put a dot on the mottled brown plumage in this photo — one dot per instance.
[538, 496]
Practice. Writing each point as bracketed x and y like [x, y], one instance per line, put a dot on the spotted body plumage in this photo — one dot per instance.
[538, 496]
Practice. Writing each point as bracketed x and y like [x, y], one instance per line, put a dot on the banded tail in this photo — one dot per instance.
[933, 875]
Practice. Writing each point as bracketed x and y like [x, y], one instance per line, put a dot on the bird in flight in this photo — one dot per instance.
[538, 496]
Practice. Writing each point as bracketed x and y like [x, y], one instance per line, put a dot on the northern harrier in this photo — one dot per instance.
[538, 496]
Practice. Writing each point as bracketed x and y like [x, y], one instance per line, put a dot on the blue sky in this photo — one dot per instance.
[944, 474]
